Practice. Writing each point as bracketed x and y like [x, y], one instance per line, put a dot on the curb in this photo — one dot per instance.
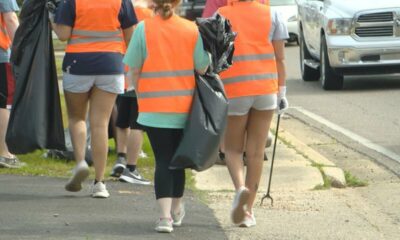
[309, 153]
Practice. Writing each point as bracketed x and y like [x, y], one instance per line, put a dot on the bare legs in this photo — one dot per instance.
[4, 117]
[257, 124]
[101, 104]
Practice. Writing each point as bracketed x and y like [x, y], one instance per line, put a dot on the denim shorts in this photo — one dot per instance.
[83, 83]
[242, 105]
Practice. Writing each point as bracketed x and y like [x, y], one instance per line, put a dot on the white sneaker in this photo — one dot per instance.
[164, 225]
[99, 190]
[249, 221]
[238, 212]
[79, 174]
[142, 154]
[178, 217]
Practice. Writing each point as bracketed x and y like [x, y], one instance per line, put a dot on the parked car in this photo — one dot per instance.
[288, 9]
[341, 37]
[191, 9]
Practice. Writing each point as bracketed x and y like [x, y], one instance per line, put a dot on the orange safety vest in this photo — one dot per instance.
[253, 71]
[142, 13]
[5, 41]
[96, 28]
[166, 83]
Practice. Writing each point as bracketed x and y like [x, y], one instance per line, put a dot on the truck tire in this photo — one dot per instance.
[330, 80]
[307, 73]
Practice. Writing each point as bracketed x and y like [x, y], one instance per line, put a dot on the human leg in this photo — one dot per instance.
[77, 104]
[168, 184]
[7, 86]
[4, 117]
[101, 105]
[234, 140]
[257, 134]
[122, 127]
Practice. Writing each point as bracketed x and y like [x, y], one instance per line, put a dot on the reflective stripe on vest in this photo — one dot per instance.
[254, 68]
[5, 41]
[82, 36]
[166, 83]
[96, 27]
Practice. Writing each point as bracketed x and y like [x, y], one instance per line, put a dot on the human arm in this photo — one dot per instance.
[279, 49]
[11, 22]
[135, 56]
[201, 57]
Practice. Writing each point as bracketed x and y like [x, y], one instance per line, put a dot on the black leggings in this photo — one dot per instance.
[164, 141]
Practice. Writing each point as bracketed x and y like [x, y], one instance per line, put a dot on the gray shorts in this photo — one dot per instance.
[242, 105]
[83, 83]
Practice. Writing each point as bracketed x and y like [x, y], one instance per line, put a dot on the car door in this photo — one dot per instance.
[314, 24]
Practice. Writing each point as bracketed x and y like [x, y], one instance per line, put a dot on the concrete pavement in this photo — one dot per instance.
[39, 208]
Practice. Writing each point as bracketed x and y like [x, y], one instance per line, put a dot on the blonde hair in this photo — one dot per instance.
[165, 7]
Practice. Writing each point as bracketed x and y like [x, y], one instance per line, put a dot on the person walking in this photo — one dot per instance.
[162, 56]
[255, 86]
[93, 74]
[129, 132]
[8, 25]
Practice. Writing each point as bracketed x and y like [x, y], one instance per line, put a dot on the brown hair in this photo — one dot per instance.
[164, 7]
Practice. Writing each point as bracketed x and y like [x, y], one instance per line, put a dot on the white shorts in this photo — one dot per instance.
[242, 105]
[83, 83]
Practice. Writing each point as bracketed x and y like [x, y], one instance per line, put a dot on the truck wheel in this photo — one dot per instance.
[307, 73]
[329, 79]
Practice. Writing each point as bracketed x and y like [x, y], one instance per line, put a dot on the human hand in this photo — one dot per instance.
[283, 103]
[51, 6]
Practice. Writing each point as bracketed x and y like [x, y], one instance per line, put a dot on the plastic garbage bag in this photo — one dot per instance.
[206, 123]
[218, 38]
[35, 120]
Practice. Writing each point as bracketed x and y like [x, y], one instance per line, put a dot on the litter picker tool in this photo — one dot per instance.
[267, 195]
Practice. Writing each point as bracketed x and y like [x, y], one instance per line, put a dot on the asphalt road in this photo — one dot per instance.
[366, 113]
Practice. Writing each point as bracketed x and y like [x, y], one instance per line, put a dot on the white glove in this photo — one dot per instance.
[51, 6]
[283, 103]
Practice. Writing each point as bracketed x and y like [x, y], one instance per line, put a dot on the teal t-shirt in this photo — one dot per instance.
[135, 57]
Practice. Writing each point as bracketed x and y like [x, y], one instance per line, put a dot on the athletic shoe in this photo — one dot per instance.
[119, 167]
[13, 162]
[164, 225]
[177, 218]
[143, 154]
[133, 177]
[79, 174]
[265, 156]
[238, 212]
[249, 221]
[99, 190]
[221, 158]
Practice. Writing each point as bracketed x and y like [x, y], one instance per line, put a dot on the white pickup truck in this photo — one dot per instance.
[340, 37]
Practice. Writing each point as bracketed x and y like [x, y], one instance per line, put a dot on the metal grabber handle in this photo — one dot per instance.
[267, 195]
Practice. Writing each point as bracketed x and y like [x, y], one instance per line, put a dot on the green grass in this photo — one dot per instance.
[327, 182]
[58, 45]
[353, 181]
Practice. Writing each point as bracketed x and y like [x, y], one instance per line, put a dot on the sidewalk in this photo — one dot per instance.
[40, 208]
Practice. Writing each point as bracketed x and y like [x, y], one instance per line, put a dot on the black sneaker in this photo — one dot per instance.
[221, 158]
[119, 167]
[133, 177]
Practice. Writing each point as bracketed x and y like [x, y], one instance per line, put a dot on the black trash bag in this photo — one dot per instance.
[68, 153]
[35, 120]
[218, 38]
[206, 123]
